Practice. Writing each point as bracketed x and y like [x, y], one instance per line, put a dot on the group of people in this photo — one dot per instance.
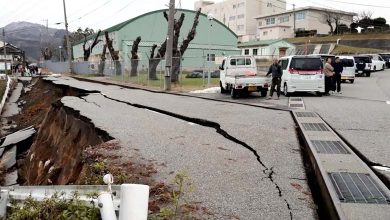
[26, 71]
[332, 72]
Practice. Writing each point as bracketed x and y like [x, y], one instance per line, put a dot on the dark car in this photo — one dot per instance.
[363, 65]
[386, 58]
[195, 74]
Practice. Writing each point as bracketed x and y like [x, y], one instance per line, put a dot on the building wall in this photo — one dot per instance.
[307, 19]
[211, 37]
[239, 15]
[268, 51]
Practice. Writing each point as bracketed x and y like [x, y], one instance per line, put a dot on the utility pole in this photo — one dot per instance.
[294, 18]
[67, 40]
[5, 52]
[168, 56]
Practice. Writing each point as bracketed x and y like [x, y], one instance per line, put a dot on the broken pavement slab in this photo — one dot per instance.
[8, 159]
[16, 137]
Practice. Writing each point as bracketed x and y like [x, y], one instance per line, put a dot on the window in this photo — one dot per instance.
[270, 21]
[232, 18]
[234, 6]
[246, 51]
[240, 27]
[283, 19]
[347, 62]
[240, 16]
[284, 64]
[211, 57]
[240, 62]
[254, 51]
[300, 15]
[263, 51]
[260, 23]
[265, 33]
[306, 64]
[242, 4]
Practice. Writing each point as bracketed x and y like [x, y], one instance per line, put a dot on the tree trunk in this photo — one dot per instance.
[102, 63]
[134, 67]
[134, 57]
[176, 65]
[153, 64]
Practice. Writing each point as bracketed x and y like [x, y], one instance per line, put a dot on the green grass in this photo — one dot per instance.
[184, 84]
[342, 49]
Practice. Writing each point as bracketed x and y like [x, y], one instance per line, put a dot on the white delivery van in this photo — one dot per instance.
[302, 74]
[239, 75]
[349, 68]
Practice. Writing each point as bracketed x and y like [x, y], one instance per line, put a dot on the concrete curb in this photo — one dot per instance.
[5, 95]
[328, 160]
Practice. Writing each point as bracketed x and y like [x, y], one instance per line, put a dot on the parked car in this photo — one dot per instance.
[302, 74]
[239, 75]
[349, 68]
[195, 74]
[377, 62]
[363, 65]
[386, 58]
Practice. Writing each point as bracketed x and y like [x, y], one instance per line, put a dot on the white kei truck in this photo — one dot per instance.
[239, 75]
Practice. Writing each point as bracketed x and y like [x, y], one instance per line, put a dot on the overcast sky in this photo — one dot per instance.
[101, 14]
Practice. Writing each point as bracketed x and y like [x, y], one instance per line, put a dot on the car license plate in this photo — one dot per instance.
[252, 88]
[344, 77]
[306, 77]
[360, 71]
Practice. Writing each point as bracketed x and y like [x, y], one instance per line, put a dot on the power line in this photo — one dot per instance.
[367, 5]
[92, 11]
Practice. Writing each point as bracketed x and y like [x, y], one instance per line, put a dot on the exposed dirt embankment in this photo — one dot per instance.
[56, 155]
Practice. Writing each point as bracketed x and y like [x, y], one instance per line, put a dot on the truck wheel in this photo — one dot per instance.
[264, 92]
[233, 93]
[352, 80]
[285, 91]
[368, 74]
[374, 68]
[383, 67]
[222, 89]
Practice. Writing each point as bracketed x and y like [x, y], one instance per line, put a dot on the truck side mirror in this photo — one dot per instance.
[221, 68]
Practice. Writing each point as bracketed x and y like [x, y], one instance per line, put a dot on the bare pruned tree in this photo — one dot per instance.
[176, 51]
[114, 54]
[135, 57]
[88, 51]
[332, 18]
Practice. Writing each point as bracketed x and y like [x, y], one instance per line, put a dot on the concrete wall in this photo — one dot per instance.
[382, 44]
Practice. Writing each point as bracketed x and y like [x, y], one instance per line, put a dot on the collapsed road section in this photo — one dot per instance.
[243, 162]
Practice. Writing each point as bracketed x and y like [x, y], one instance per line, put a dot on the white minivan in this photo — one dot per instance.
[377, 62]
[302, 74]
[349, 68]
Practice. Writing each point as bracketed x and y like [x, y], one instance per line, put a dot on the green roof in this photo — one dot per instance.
[123, 24]
[255, 43]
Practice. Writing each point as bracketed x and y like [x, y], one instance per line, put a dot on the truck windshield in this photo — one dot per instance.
[362, 59]
[305, 63]
[347, 62]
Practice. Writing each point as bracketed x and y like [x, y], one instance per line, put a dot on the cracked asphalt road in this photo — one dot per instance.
[227, 177]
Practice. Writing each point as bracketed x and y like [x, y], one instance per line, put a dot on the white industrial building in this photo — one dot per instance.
[239, 15]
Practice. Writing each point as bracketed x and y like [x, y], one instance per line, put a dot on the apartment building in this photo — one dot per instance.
[239, 15]
[281, 25]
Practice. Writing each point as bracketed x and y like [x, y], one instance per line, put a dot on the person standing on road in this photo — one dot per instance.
[338, 69]
[277, 73]
[329, 72]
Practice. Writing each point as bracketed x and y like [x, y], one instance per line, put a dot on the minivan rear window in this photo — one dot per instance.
[306, 63]
[347, 62]
[363, 59]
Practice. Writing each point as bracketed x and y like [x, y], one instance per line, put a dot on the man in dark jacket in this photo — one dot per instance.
[277, 74]
[338, 69]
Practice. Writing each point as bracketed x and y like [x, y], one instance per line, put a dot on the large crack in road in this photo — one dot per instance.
[206, 123]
